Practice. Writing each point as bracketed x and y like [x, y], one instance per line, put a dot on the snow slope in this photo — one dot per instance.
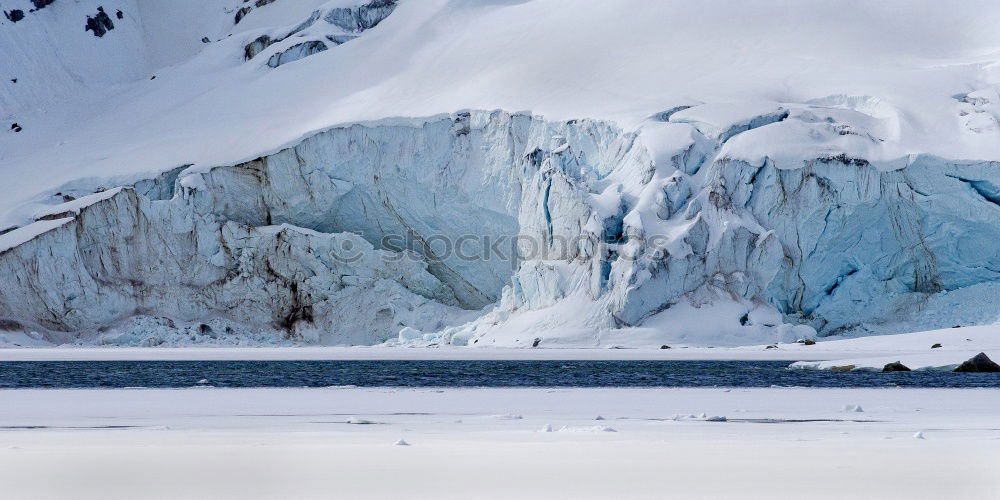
[803, 166]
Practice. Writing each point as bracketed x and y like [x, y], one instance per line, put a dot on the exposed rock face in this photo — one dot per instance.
[99, 24]
[980, 363]
[14, 15]
[895, 366]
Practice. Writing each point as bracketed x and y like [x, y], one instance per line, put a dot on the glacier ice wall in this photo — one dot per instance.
[351, 234]
[256, 243]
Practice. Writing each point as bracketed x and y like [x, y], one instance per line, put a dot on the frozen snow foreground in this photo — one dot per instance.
[301, 443]
[237, 180]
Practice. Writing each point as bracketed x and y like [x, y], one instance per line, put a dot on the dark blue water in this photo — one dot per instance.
[479, 373]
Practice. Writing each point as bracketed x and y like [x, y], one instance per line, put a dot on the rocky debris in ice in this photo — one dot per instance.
[401, 442]
[980, 363]
[853, 409]
[599, 418]
[895, 366]
[10, 325]
[149, 331]
[936, 346]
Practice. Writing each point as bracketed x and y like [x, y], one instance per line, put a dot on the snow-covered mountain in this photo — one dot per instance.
[496, 172]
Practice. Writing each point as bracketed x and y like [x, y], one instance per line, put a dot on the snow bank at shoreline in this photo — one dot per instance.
[915, 350]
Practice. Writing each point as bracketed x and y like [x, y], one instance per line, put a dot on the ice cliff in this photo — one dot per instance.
[344, 238]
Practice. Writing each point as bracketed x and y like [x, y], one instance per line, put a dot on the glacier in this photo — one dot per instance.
[348, 172]
[332, 241]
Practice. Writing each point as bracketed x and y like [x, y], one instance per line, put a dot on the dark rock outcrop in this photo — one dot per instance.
[240, 14]
[980, 363]
[895, 366]
[100, 23]
[14, 15]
